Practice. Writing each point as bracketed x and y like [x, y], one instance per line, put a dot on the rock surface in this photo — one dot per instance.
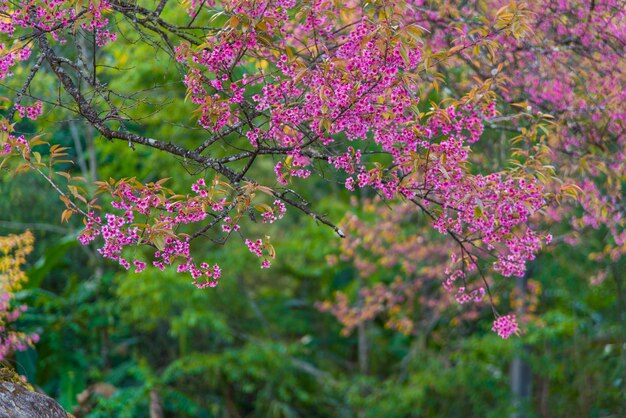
[17, 401]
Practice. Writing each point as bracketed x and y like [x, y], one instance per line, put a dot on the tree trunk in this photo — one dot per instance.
[520, 369]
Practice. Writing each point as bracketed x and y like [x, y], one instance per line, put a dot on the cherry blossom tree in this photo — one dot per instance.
[569, 72]
[336, 90]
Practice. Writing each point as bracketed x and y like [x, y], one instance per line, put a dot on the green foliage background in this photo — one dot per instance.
[256, 346]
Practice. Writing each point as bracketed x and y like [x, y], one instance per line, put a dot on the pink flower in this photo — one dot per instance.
[505, 326]
[140, 266]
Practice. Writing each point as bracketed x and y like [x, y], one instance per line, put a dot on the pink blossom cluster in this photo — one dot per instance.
[453, 275]
[55, 16]
[9, 58]
[455, 280]
[150, 214]
[98, 23]
[476, 295]
[7, 27]
[281, 176]
[9, 314]
[14, 341]
[31, 112]
[256, 248]
[348, 161]
[277, 212]
[196, 5]
[230, 225]
[298, 163]
[505, 326]
[121, 231]
[19, 144]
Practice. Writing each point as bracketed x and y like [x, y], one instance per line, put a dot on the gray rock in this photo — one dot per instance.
[16, 401]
